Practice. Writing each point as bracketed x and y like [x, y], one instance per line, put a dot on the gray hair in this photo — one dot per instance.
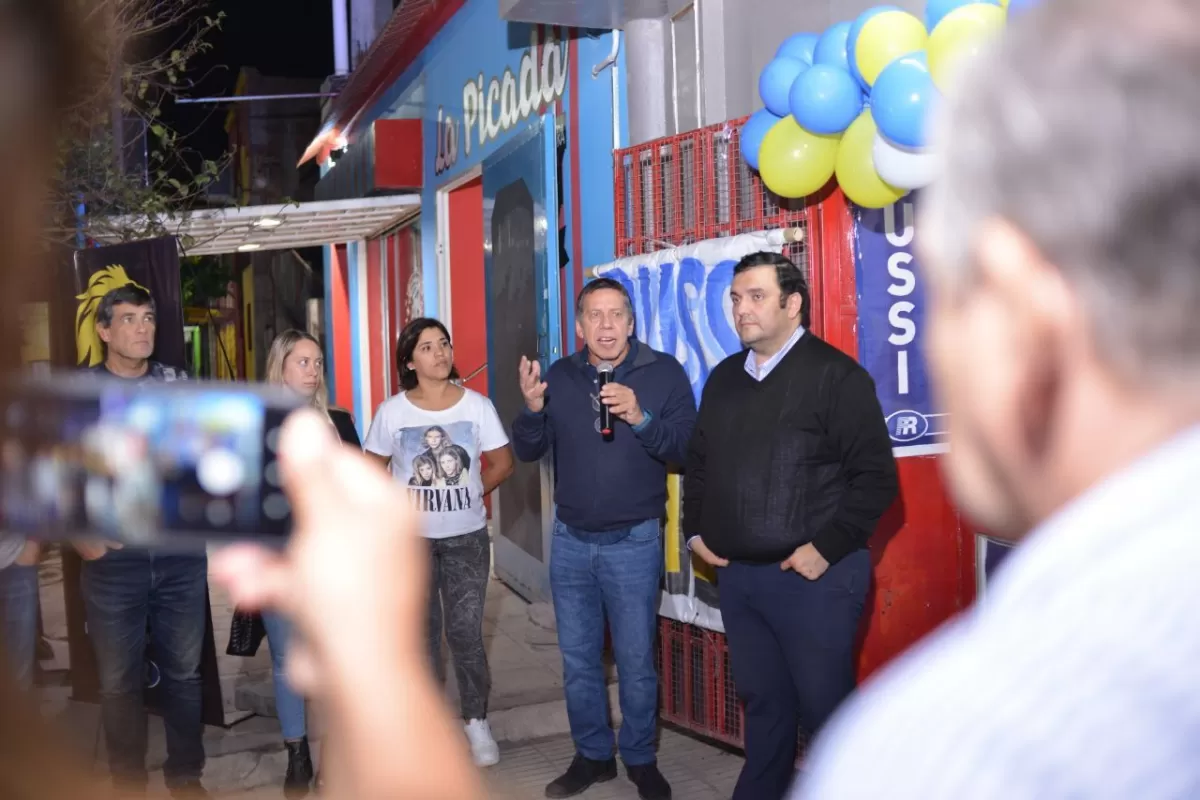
[1079, 128]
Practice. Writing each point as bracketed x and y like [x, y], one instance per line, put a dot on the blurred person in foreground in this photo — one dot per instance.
[295, 361]
[1063, 251]
[353, 579]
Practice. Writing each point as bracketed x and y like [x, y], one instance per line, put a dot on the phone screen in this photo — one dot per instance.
[143, 464]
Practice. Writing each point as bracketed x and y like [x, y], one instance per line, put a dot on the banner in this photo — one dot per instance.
[891, 324]
[153, 265]
[681, 301]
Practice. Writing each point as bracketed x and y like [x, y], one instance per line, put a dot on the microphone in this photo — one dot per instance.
[605, 371]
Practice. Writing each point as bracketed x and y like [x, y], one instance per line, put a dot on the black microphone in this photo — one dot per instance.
[605, 371]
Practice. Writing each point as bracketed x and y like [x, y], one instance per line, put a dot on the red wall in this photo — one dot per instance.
[468, 294]
[923, 554]
[376, 346]
[342, 380]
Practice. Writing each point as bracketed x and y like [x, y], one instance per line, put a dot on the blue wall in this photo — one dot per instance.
[477, 41]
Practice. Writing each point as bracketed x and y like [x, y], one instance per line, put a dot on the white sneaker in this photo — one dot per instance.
[484, 749]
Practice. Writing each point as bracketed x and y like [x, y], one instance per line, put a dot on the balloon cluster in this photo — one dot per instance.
[854, 101]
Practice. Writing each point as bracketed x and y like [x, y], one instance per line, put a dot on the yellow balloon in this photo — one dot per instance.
[794, 162]
[959, 39]
[855, 167]
[884, 38]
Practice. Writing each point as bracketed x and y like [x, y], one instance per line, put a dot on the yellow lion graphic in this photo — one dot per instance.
[89, 348]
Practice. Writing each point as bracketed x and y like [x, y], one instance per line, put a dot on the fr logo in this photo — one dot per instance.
[907, 426]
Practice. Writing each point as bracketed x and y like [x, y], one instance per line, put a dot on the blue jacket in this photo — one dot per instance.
[605, 486]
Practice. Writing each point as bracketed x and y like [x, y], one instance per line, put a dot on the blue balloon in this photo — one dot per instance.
[776, 81]
[753, 131]
[902, 99]
[831, 47]
[825, 99]
[936, 9]
[799, 47]
[1021, 6]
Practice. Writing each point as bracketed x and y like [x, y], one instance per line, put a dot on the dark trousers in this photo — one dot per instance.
[791, 646]
[18, 621]
[123, 591]
[458, 592]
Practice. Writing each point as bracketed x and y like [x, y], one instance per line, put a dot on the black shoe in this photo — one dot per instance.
[299, 778]
[580, 776]
[650, 783]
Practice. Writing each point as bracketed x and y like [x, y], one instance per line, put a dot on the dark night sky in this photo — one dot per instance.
[287, 38]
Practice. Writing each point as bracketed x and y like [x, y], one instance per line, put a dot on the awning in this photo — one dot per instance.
[285, 227]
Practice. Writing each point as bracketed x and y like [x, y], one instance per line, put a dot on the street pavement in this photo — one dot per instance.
[528, 714]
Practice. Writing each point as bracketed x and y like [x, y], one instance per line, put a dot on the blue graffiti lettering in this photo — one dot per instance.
[715, 292]
[691, 276]
[668, 330]
[682, 311]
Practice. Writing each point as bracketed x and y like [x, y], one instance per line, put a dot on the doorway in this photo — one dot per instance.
[468, 297]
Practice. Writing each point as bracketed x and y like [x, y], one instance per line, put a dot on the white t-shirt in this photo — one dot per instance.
[436, 454]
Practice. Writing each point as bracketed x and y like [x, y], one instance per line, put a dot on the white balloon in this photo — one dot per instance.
[903, 167]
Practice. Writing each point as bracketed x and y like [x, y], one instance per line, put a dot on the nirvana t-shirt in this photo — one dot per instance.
[436, 454]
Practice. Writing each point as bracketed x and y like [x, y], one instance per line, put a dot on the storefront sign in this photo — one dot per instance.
[494, 106]
[681, 301]
[891, 323]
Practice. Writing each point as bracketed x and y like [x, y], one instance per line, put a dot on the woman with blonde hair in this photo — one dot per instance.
[295, 361]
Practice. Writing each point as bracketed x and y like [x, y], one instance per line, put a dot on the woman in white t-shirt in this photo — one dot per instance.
[436, 436]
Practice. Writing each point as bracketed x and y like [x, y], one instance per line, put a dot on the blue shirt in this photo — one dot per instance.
[1077, 676]
[760, 373]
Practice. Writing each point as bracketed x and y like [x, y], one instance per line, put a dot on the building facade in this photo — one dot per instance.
[516, 125]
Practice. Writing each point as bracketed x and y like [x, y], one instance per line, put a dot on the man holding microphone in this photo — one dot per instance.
[606, 561]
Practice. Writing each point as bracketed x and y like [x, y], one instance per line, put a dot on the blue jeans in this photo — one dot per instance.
[621, 582]
[19, 606]
[289, 706]
[123, 591]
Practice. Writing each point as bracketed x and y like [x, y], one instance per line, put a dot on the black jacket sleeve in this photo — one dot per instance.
[857, 429]
[666, 434]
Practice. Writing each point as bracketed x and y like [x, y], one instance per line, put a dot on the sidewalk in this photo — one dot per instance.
[528, 714]
[695, 770]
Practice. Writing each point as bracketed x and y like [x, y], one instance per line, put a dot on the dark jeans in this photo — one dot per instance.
[461, 567]
[619, 582]
[123, 591]
[791, 646]
[19, 607]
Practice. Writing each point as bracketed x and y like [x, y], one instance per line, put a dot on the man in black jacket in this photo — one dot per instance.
[789, 470]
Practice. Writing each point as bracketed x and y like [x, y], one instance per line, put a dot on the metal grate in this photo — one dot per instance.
[692, 187]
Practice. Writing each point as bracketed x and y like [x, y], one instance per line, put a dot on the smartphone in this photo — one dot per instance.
[142, 464]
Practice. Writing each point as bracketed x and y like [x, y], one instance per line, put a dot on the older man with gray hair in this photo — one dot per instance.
[1063, 251]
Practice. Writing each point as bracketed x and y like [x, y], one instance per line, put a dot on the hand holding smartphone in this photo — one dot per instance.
[96, 460]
